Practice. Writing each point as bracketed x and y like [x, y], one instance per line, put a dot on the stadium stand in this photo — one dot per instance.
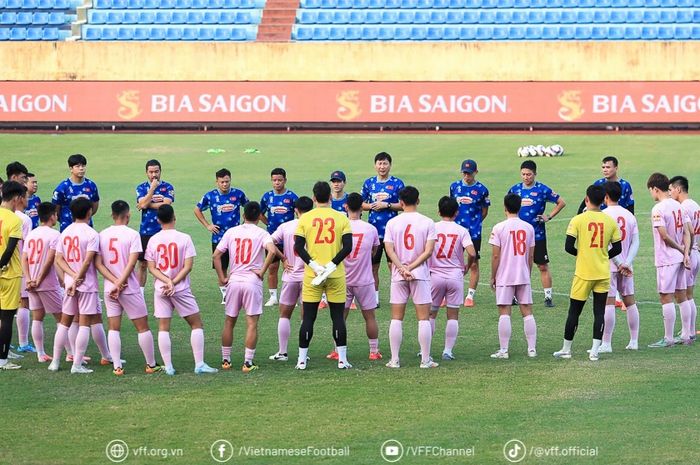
[37, 19]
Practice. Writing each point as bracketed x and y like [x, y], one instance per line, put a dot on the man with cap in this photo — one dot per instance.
[473, 200]
[339, 198]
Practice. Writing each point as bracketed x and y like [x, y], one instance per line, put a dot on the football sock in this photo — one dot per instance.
[432, 325]
[23, 326]
[575, 309]
[693, 316]
[164, 347]
[249, 355]
[98, 335]
[425, 337]
[530, 328]
[548, 293]
[73, 333]
[373, 346]
[395, 337]
[115, 347]
[340, 333]
[566, 347]
[284, 329]
[81, 343]
[451, 331]
[197, 343]
[146, 344]
[596, 346]
[273, 293]
[306, 331]
[686, 312]
[342, 353]
[226, 353]
[504, 331]
[633, 321]
[599, 299]
[470, 293]
[609, 324]
[59, 341]
[38, 336]
[303, 351]
[669, 312]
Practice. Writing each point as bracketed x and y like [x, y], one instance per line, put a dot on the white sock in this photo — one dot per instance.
[548, 293]
[223, 290]
[342, 353]
[471, 292]
[376, 293]
[273, 293]
[302, 355]
[567, 346]
[596, 346]
[143, 292]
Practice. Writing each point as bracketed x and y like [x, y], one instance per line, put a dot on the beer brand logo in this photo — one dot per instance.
[129, 107]
[349, 101]
[571, 107]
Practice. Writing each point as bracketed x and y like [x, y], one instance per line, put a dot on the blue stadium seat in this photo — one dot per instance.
[683, 32]
[205, 33]
[586, 3]
[566, 32]
[408, 3]
[599, 32]
[29, 4]
[569, 3]
[696, 16]
[550, 33]
[49, 33]
[685, 16]
[392, 4]
[131, 17]
[302, 33]
[173, 33]
[467, 33]
[489, 3]
[471, 17]
[227, 17]
[584, 16]
[521, 4]
[603, 3]
[635, 3]
[189, 33]
[222, 33]
[23, 18]
[649, 32]
[484, 32]
[167, 4]
[685, 3]
[307, 17]
[434, 33]
[194, 17]
[125, 33]
[601, 16]
[618, 16]
[667, 16]
[231, 4]
[402, 33]
[405, 17]
[151, 4]
[516, 33]
[652, 3]
[567, 17]
[695, 33]
[338, 17]
[419, 33]
[62, 5]
[133, 4]
[538, 3]
[310, 4]
[518, 17]
[147, 17]
[216, 5]
[113, 17]
[421, 17]
[441, 4]
[651, 16]
[487, 17]
[375, 4]
[634, 16]
[336, 33]
[465, 3]
[385, 33]
[370, 33]
[499, 33]
[210, 17]
[389, 17]
[553, 3]
[324, 17]
[4, 33]
[582, 33]
[57, 18]
[91, 33]
[182, 5]
[438, 17]
[450, 33]
[13, 4]
[357, 17]
[8, 17]
[457, 17]
[616, 33]
[373, 17]
[140, 33]
[200, 5]
[535, 17]
[533, 33]
[667, 3]
[178, 17]
[41, 4]
[353, 33]
[633, 33]
[618, 3]
[424, 4]
[109, 33]
[502, 17]
[34, 33]
[240, 34]
[552, 16]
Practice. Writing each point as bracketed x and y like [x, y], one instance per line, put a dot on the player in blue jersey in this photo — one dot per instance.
[33, 201]
[380, 195]
[151, 195]
[76, 185]
[535, 196]
[473, 200]
[277, 207]
[609, 170]
[339, 198]
[225, 204]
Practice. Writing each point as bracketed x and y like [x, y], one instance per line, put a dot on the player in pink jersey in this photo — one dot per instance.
[409, 240]
[359, 278]
[41, 281]
[513, 245]
[246, 245]
[619, 283]
[23, 315]
[292, 278]
[672, 244]
[447, 269]
[75, 255]
[679, 192]
[170, 256]
[120, 247]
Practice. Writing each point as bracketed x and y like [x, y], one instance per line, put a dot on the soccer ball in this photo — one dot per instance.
[522, 151]
[531, 151]
[540, 150]
[557, 150]
[548, 152]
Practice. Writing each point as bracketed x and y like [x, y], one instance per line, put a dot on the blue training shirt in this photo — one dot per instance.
[534, 200]
[32, 210]
[225, 209]
[374, 190]
[66, 192]
[339, 204]
[278, 208]
[626, 199]
[471, 200]
[149, 219]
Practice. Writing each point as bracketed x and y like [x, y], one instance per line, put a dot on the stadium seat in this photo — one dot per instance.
[357, 17]
[651, 16]
[584, 16]
[224, 33]
[373, 17]
[33, 33]
[424, 4]
[582, 33]
[125, 33]
[193, 17]
[633, 33]
[470, 17]
[566, 32]
[487, 17]
[465, 4]
[23, 18]
[215, 5]
[307, 17]
[57, 19]
[109, 33]
[441, 4]
[516, 33]
[616, 33]
[402, 33]
[550, 33]
[336, 33]
[4, 33]
[156, 33]
[375, 4]
[567, 17]
[438, 17]
[140, 33]
[151, 4]
[173, 33]
[603, 3]
[227, 17]
[634, 16]
[147, 17]
[458, 17]
[618, 16]
[369, 33]
[533, 33]
[618, 3]
[553, 3]
[91, 33]
[450, 33]
[552, 16]
[189, 33]
[685, 16]
[419, 33]
[29, 4]
[178, 17]
[601, 16]
[385, 33]
[205, 33]
[13, 4]
[667, 16]
[210, 17]
[389, 17]
[8, 17]
[434, 33]
[505, 4]
[587, 3]
[353, 33]
[467, 33]
[652, 3]
[113, 17]
[421, 17]
[569, 3]
[182, 5]
[484, 33]
[695, 33]
[696, 16]
[499, 33]
[49, 33]
[649, 32]
[599, 32]
[41, 4]
[392, 4]
[501, 17]
[683, 33]
[518, 17]
[635, 3]
[118, 4]
[535, 17]
[538, 3]
[408, 4]
[405, 17]
[324, 17]
[130, 17]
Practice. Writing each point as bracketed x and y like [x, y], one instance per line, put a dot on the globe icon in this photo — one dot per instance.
[117, 451]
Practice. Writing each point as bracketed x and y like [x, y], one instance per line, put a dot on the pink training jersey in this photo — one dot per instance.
[358, 265]
[246, 245]
[410, 232]
[669, 214]
[37, 245]
[515, 237]
[284, 235]
[74, 243]
[117, 243]
[628, 228]
[692, 210]
[169, 249]
[447, 260]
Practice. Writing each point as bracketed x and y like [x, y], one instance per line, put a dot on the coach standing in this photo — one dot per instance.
[608, 168]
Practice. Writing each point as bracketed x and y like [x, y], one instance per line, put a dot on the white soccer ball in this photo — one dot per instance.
[557, 150]
[540, 150]
[548, 152]
[522, 152]
[531, 151]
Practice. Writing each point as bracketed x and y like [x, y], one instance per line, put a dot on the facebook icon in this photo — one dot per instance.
[221, 451]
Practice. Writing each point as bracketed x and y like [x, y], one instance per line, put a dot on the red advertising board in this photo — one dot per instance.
[350, 102]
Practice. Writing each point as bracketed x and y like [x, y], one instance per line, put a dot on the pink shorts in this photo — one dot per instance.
[691, 274]
[418, 291]
[365, 295]
[452, 290]
[81, 303]
[133, 305]
[670, 278]
[622, 284]
[291, 291]
[49, 301]
[505, 294]
[244, 295]
[182, 301]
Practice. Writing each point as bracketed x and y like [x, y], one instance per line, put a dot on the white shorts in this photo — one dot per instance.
[81, 303]
[244, 295]
[622, 284]
[417, 290]
[452, 290]
[670, 278]
[291, 292]
[365, 295]
[133, 305]
[49, 301]
[505, 294]
[183, 301]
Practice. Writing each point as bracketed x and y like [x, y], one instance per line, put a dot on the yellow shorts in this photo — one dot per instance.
[581, 288]
[9, 293]
[333, 287]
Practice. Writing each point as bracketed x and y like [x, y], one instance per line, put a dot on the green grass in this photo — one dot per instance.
[636, 408]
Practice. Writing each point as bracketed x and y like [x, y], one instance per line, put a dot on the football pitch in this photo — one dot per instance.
[628, 408]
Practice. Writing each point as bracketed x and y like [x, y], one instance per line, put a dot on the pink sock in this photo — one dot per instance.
[72, 334]
[81, 343]
[284, 328]
[98, 335]
[633, 321]
[249, 355]
[504, 331]
[226, 353]
[609, 324]
[451, 331]
[425, 337]
[164, 348]
[197, 342]
[395, 337]
[59, 341]
[115, 347]
[530, 328]
[669, 312]
[693, 316]
[432, 325]
[38, 336]
[373, 346]
[23, 326]
[146, 344]
[686, 312]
